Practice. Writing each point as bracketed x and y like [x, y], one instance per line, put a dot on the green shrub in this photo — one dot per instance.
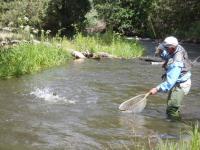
[194, 31]
[110, 43]
[66, 15]
[128, 17]
[27, 58]
[155, 18]
[44, 14]
[22, 12]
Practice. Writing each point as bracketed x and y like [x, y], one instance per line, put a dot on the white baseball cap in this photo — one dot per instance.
[170, 41]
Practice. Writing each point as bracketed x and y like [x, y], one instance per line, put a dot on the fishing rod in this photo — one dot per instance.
[195, 60]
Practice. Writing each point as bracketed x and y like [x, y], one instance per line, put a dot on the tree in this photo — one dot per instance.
[127, 16]
[65, 14]
[14, 11]
[175, 17]
[155, 18]
[47, 14]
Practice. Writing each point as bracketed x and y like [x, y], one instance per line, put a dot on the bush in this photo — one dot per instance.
[20, 12]
[155, 18]
[46, 14]
[66, 15]
[110, 43]
[194, 31]
[128, 17]
[27, 58]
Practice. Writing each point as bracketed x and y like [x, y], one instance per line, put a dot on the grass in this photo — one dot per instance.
[27, 58]
[193, 144]
[110, 43]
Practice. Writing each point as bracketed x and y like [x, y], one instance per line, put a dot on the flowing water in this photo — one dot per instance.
[75, 106]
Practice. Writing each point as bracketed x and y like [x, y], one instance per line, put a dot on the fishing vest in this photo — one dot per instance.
[182, 56]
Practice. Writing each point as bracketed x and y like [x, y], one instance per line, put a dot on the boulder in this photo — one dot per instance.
[87, 54]
[78, 55]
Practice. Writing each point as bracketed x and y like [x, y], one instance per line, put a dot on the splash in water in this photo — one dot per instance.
[50, 96]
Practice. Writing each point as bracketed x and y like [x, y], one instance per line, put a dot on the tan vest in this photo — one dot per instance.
[182, 56]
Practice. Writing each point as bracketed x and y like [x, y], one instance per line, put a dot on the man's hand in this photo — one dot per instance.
[153, 91]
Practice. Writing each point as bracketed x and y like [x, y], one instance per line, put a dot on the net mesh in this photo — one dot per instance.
[135, 104]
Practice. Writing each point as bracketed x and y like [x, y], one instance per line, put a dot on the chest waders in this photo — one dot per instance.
[177, 93]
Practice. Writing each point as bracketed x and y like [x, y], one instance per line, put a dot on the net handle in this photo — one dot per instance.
[146, 95]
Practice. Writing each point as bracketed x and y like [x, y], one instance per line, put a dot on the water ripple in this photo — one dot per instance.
[48, 95]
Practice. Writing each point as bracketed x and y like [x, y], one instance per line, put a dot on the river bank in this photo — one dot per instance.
[24, 57]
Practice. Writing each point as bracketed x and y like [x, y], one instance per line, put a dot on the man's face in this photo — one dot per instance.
[171, 50]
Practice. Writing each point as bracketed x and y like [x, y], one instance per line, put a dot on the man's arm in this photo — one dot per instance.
[172, 76]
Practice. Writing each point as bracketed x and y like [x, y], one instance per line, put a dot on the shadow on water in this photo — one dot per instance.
[75, 106]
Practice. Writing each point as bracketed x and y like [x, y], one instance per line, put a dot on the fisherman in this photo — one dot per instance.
[177, 76]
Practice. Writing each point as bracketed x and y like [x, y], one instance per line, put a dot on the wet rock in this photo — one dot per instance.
[15, 42]
[88, 54]
[7, 29]
[36, 42]
[3, 43]
[47, 43]
[78, 55]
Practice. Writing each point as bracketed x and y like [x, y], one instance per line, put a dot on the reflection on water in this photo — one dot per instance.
[75, 107]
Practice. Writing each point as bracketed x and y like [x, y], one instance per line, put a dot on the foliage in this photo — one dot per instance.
[110, 43]
[91, 18]
[47, 14]
[155, 18]
[27, 58]
[66, 14]
[128, 17]
[194, 31]
[174, 17]
[18, 12]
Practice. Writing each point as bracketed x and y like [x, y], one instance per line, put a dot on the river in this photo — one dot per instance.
[75, 106]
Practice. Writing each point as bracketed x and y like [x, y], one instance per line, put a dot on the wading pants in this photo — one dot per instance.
[175, 98]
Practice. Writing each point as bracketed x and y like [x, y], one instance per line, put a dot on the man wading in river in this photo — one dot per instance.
[177, 76]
